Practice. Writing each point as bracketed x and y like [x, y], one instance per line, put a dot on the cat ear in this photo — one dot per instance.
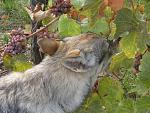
[77, 61]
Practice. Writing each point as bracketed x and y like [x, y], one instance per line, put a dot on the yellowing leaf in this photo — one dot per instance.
[20, 66]
[120, 60]
[128, 44]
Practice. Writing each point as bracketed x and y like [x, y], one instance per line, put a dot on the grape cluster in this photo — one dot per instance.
[45, 34]
[60, 7]
[16, 44]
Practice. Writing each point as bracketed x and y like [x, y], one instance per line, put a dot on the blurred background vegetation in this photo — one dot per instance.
[13, 15]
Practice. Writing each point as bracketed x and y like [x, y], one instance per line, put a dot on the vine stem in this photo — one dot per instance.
[50, 23]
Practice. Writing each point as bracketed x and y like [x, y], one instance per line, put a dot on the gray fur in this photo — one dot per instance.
[59, 83]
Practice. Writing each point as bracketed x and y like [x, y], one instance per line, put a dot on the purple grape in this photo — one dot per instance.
[15, 46]
[60, 7]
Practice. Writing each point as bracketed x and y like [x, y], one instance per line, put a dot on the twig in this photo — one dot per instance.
[50, 23]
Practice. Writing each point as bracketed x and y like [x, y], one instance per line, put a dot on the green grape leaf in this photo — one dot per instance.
[51, 28]
[147, 9]
[100, 27]
[89, 4]
[125, 106]
[144, 75]
[91, 10]
[142, 42]
[50, 3]
[109, 87]
[125, 22]
[120, 60]
[143, 105]
[68, 27]
[17, 63]
[111, 93]
[91, 105]
[7, 60]
[140, 88]
[128, 44]
[20, 66]
[78, 4]
[20, 63]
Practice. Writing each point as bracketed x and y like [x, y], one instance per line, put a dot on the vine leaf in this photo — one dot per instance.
[142, 42]
[68, 27]
[100, 27]
[147, 9]
[7, 60]
[144, 75]
[128, 44]
[20, 66]
[143, 105]
[91, 105]
[125, 22]
[91, 10]
[91, 4]
[78, 4]
[120, 60]
[111, 93]
[125, 106]
[17, 63]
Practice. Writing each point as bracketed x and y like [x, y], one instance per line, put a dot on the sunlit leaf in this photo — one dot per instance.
[17, 63]
[68, 27]
[78, 3]
[128, 44]
[7, 61]
[20, 66]
[120, 60]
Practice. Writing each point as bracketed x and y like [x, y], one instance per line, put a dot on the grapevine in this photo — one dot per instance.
[17, 43]
[111, 19]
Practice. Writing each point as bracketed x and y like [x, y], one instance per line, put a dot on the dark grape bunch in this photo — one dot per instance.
[61, 7]
[16, 44]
